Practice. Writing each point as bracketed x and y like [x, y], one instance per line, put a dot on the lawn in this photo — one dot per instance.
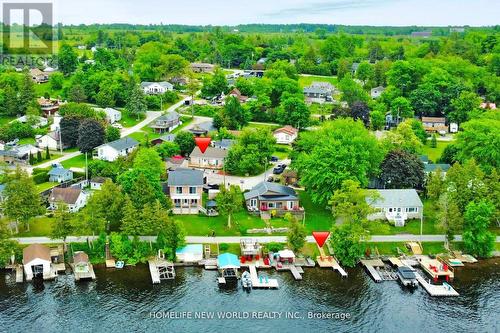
[76, 162]
[317, 218]
[305, 81]
[129, 120]
[39, 226]
[53, 156]
[27, 141]
[45, 186]
[282, 151]
[271, 127]
[435, 153]
[392, 248]
[185, 121]
[5, 120]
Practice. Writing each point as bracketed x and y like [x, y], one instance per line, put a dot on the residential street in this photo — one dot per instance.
[236, 239]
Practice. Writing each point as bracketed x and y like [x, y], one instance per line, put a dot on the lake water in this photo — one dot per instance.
[123, 301]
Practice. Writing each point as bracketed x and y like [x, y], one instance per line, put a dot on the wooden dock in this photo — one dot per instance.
[436, 290]
[325, 261]
[297, 274]
[19, 274]
[395, 262]
[161, 270]
[90, 275]
[260, 282]
[436, 268]
[370, 265]
[209, 264]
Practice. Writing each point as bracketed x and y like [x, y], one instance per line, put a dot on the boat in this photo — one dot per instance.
[407, 277]
[246, 281]
[119, 264]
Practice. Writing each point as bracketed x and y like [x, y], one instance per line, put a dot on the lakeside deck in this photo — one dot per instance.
[436, 268]
[325, 261]
[370, 265]
[436, 290]
[260, 282]
[80, 275]
[161, 270]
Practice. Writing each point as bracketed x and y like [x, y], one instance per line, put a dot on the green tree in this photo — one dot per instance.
[112, 134]
[26, 94]
[347, 242]
[435, 185]
[62, 226]
[401, 169]
[185, 141]
[67, 59]
[173, 237]
[22, 201]
[401, 108]
[148, 161]
[465, 183]
[403, 137]
[478, 240]
[229, 201]
[296, 236]
[106, 204]
[365, 72]
[449, 216]
[136, 105]
[168, 149]
[77, 94]
[352, 91]
[232, 116]
[56, 80]
[350, 203]
[39, 157]
[47, 153]
[377, 120]
[90, 135]
[132, 223]
[463, 106]
[293, 111]
[433, 141]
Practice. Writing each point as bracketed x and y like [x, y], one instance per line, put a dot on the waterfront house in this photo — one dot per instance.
[59, 174]
[191, 253]
[434, 124]
[112, 115]
[269, 197]
[185, 188]
[38, 263]
[163, 138]
[120, 148]
[213, 158]
[39, 76]
[166, 123]
[396, 206]
[175, 162]
[286, 135]
[223, 144]
[97, 182]
[50, 140]
[74, 198]
[377, 92]
[156, 88]
[200, 67]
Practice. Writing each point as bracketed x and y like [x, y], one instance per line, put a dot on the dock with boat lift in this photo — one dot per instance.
[442, 290]
[161, 269]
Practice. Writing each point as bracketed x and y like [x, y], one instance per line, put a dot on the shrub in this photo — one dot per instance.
[41, 177]
[223, 247]
[274, 247]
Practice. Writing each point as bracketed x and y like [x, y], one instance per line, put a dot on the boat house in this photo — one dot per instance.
[38, 263]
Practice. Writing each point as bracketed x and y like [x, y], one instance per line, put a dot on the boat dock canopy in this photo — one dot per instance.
[228, 260]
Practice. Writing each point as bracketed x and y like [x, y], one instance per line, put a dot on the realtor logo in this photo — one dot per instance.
[28, 28]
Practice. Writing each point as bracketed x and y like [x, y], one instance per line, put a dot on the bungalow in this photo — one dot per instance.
[34, 121]
[428, 168]
[396, 206]
[18, 154]
[286, 135]
[39, 76]
[60, 175]
[213, 158]
[164, 138]
[50, 140]
[434, 124]
[272, 197]
[185, 188]
[112, 115]
[223, 144]
[166, 123]
[156, 88]
[112, 150]
[238, 95]
[377, 92]
[97, 182]
[74, 198]
[319, 92]
[200, 67]
[38, 262]
[203, 128]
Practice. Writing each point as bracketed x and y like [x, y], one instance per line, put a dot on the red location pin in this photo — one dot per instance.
[203, 143]
[321, 237]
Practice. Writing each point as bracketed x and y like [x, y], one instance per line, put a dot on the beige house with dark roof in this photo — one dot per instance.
[213, 158]
[74, 198]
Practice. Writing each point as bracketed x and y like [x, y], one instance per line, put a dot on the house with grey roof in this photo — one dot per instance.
[163, 138]
[213, 158]
[223, 144]
[377, 92]
[156, 88]
[398, 206]
[112, 115]
[442, 167]
[166, 123]
[185, 189]
[268, 197]
[60, 175]
[120, 148]
[319, 92]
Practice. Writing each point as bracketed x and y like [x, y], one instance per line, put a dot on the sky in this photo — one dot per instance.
[233, 12]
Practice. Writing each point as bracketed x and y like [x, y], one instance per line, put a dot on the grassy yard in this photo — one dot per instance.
[40, 226]
[5, 120]
[392, 248]
[305, 81]
[282, 151]
[53, 156]
[271, 127]
[317, 218]
[435, 153]
[45, 186]
[186, 120]
[76, 162]
[129, 120]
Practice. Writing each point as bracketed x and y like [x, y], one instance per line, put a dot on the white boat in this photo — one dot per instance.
[246, 280]
[407, 277]
[119, 264]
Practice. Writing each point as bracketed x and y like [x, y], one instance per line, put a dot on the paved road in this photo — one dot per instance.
[236, 239]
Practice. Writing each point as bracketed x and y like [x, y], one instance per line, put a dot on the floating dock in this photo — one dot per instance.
[79, 275]
[297, 274]
[161, 270]
[19, 273]
[370, 265]
[261, 282]
[325, 261]
[436, 290]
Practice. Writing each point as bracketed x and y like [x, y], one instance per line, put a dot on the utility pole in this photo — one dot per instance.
[60, 139]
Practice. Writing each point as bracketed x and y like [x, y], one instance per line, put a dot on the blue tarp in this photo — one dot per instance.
[191, 248]
[228, 260]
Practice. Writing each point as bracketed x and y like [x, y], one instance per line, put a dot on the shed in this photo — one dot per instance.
[37, 261]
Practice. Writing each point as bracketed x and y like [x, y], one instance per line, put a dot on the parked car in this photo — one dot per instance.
[279, 169]
[274, 159]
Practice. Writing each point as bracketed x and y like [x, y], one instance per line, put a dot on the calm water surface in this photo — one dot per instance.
[122, 301]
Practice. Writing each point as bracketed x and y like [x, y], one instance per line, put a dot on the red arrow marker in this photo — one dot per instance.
[321, 237]
[203, 143]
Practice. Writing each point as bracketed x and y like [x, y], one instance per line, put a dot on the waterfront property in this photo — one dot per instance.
[185, 188]
[59, 174]
[120, 148]
[286, 135]
[38, 263]
[156, 88]
[82, 268]
[272, 197]
[191, 253]
[74, 198]
[166, 123]
[397, 206]
[228, 266]
[213, 158]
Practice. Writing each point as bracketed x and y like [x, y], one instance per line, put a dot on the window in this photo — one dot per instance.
[192, 190]
[390, 210]
[177, 202]
[178, 190]
[253, 203]
[290, 205]
[271, 205]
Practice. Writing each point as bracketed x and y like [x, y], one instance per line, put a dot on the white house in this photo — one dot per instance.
[50, 140]
[56, 121]
[73, 197]
[377, 92]
[60, 175]
[112, 115]
[286, 135]
[453, 128]
[35, 121]
[112, 150]
[96, 183]
[37, 262]
[156, 88]
[396, 206]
